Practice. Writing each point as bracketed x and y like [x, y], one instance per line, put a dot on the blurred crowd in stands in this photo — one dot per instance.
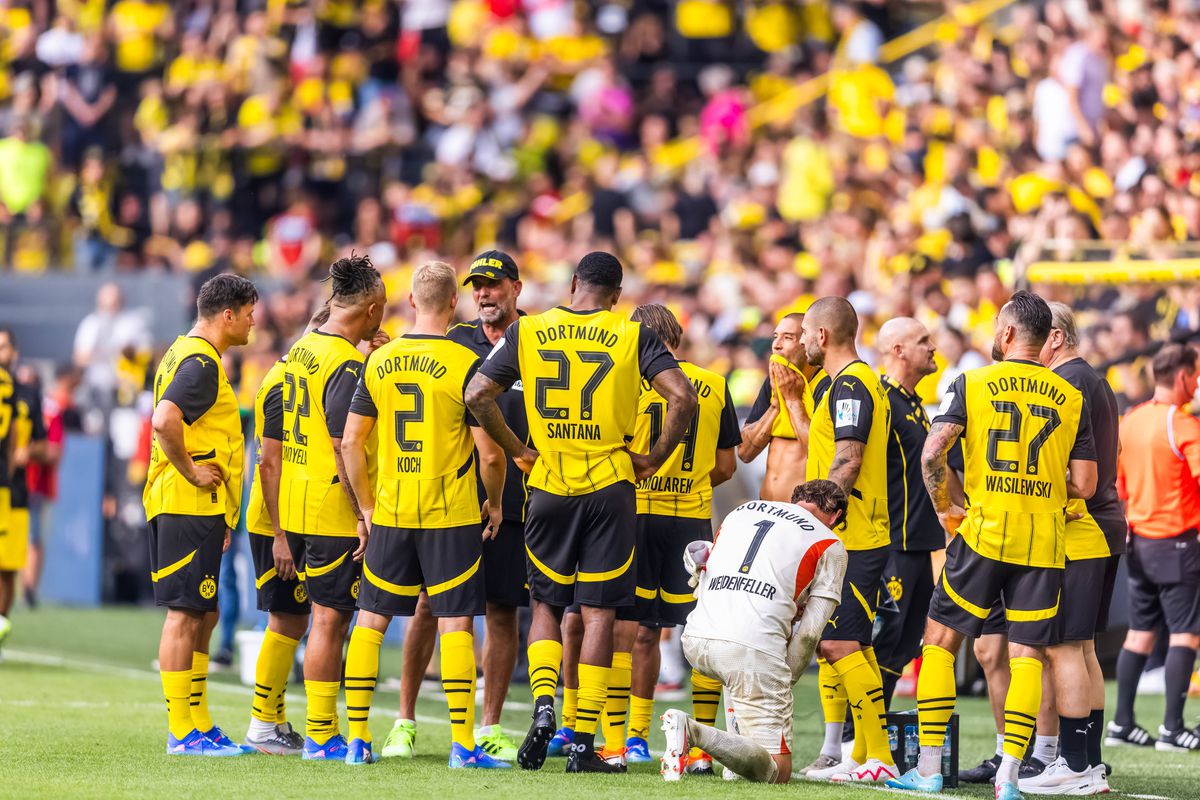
[272, 136]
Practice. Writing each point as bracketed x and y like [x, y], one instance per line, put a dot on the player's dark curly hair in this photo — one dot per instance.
[1031, 315]
[353, 277]
[825, 495]
[659, 319]
[600, 270]
[225, 291]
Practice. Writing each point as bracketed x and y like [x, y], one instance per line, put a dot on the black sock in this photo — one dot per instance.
[1129, 672]
[1095, 736]
[890, 679]
[1178, 669]
[584, 742]
[1072, 742]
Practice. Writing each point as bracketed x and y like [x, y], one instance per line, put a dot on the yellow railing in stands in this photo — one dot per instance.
[1163, 270]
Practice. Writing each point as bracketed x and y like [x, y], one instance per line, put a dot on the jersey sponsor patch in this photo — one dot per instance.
[847, 412]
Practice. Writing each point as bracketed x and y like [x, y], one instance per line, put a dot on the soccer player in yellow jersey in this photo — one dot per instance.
[1027, 449]
[280, 592]
[7, 444]
[28, 441]
[193, 499]
[581, 368]
[424, 514]
[847, 444]
[317, 509]
[779, 419]
[674, 508]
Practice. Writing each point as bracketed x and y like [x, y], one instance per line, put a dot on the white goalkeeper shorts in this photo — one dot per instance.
[758, 685]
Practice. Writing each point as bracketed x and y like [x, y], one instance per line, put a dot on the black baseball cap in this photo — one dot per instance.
[493, 264]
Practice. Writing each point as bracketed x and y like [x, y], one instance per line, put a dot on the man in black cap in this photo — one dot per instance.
[495, 286]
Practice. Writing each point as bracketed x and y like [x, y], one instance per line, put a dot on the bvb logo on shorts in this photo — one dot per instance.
[208, 587]
[895, 588]
[354, 589]
[299, 593]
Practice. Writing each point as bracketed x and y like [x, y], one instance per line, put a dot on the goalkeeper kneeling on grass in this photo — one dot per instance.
[765, 590]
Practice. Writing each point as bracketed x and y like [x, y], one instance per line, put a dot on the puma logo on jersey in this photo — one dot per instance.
[200, 360]
[352, 371]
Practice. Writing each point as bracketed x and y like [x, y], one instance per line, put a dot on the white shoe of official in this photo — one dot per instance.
[675, 754]
[1058, 778]
[874, 771]
[849, 765]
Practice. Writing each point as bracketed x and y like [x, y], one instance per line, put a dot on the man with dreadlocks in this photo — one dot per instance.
[317, 510]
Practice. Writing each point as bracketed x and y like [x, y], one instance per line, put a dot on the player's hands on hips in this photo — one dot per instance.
[285, 567]
[951, 518]
[492, 517]
[643, 467]
[526, 460]
[789, 383]
[206, 476]
[228, 540]
[364, 533]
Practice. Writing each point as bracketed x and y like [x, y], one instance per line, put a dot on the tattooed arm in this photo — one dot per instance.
[481, 400]
[847, 463]
[936, 473]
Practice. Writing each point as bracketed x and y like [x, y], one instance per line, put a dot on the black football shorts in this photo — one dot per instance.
[275, 595]
[328, 569]
[446, 563]
[854, 619]
[185, 560]
[664, 598]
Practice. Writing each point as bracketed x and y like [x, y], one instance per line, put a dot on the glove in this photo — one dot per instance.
[695, 557]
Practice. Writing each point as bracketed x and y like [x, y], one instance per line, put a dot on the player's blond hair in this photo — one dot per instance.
[434, 284]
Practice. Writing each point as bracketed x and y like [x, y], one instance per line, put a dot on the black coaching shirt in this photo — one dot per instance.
[512, 406]
[915, 525]
[1104, 507]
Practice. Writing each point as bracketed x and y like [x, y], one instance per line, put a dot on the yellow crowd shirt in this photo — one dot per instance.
[1022, 425]
[192, 377]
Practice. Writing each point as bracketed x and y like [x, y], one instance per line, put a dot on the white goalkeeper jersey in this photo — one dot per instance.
[767, 560]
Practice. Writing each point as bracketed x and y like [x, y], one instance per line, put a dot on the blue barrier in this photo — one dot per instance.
[74, 536]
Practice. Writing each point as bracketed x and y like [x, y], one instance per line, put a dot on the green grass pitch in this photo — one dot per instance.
[81, 715]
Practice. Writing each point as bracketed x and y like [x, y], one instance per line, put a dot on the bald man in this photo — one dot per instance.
[906, 349]
[848, 444]
[779, 419]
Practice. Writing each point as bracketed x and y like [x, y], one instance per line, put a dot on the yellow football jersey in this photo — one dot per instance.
[7, 412]
[682, 487]
[268, 403]
[212, 433]
[581, 375]
[1023, 424]
[319, 378]
[856, 407]
[414, 387]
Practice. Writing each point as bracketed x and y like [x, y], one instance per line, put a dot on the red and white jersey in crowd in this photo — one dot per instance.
[766, 560]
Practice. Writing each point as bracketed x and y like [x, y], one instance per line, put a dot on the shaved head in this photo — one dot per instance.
[837, 316]
[907, 351]
[898, 331]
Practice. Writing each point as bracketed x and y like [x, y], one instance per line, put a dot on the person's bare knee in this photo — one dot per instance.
[1016, 650]
[292, 626]
[596, 647]
[991, 651]
[1189, 640]
[939, 635]
[1140, 642]
[625, 634]
[834, 651]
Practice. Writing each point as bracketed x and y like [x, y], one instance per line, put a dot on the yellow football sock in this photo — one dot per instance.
[640, 710]
[936, 694]
[860, 742]
[1021, 704]
[593, 691]
[271, 674]
[570, 706]
[201, 719]
[177, 688]
[322, 722]
[833, 692]
[865, 694]
[362, 672]
[458, 682]
[706, 697]
[545, 657]
[616, 704]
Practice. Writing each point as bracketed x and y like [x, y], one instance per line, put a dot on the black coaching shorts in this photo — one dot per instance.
[328, 569]
[908, 577]
[1086, 597]
[504, 566]
[971, 584]
[444, 562]
[664, 598]
[854, 620]
[185, 560]
[1164, 583]
[275, 596]
[581, 548]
